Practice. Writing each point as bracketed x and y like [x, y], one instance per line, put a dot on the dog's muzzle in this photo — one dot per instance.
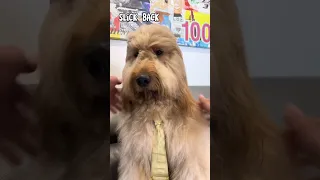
[143, 80]
[146, 86]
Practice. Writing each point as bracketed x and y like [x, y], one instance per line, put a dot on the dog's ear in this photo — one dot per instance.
[186, 101]
[126, 101]
[242, 128]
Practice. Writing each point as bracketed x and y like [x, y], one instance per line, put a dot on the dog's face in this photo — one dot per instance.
[154, 67]
[74, 53]
[74, 62]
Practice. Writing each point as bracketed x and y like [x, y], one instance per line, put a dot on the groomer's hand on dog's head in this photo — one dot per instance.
[303, 134]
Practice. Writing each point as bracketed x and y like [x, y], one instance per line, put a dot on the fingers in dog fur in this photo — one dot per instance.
[118, 96]
[33, 129]
[28, 142]
[27, 112]
[118, 91]
[15, 60]
[114, 81]
[204, 103]
[118, 106]
[113, 110]
[293, 116]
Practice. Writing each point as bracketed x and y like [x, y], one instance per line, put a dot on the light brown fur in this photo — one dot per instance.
[75, 130]
[186, 129]
[247, 145]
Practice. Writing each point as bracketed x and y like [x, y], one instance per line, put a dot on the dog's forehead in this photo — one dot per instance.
[149, 35]
[84, 19]
[151, 30]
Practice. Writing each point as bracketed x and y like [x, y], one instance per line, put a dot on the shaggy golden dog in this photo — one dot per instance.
[155, 88]
[72, 95]
[247, 144]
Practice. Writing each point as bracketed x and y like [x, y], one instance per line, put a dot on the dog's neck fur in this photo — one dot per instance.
[183, 105]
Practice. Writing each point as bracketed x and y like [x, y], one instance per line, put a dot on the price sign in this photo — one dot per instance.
[196, 32]
[189, 20]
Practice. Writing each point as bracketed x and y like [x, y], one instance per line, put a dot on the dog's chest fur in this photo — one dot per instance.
[184, 136]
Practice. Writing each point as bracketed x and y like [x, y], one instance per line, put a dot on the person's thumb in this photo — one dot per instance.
[293, 117]
[305, 129]
[114, 81]
[204, 102]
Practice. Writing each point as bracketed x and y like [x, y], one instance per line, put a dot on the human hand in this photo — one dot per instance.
[115, 101]
[15, 127]
[303, 136]
[204, 104]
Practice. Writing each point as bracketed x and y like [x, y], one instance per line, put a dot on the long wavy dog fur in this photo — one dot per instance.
[247, 145]
[72, 98]
[152, 50]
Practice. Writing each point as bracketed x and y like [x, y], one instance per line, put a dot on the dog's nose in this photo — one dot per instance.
[143, 80]
[97, 61]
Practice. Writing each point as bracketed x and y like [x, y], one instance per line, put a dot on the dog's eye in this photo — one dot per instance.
[136, 54]
[158, 52]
